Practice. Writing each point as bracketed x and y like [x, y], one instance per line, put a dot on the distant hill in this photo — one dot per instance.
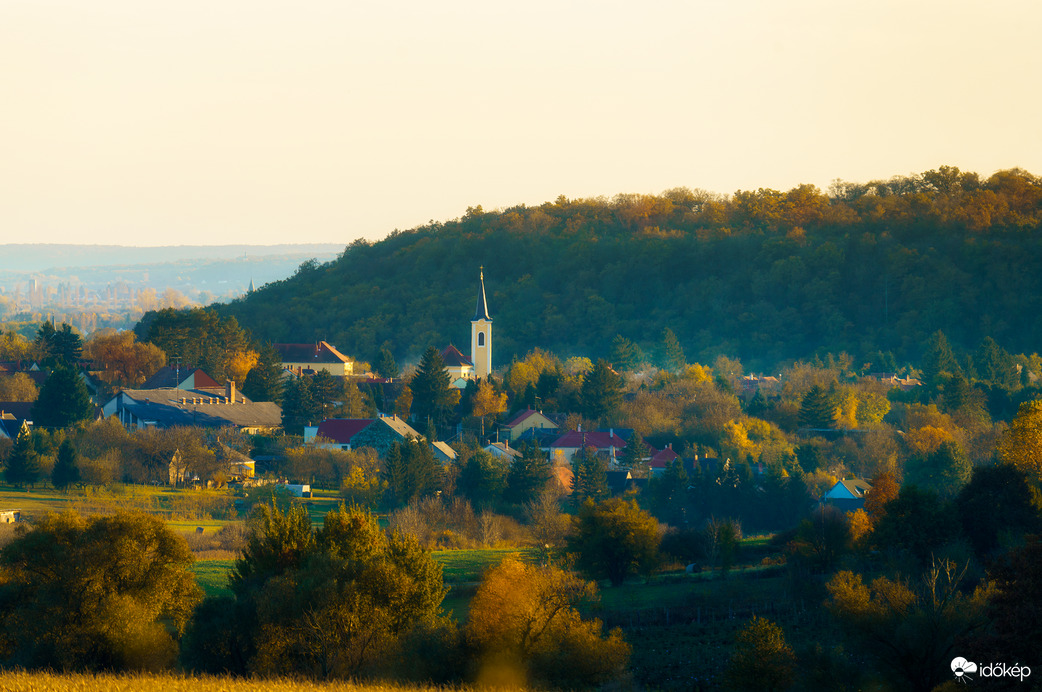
[764, 275]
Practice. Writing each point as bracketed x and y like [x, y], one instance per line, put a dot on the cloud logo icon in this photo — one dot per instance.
[961, 667]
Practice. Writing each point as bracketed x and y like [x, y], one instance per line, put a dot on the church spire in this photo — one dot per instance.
[482, 311]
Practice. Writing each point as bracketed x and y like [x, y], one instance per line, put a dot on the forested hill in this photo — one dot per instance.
[763, 275]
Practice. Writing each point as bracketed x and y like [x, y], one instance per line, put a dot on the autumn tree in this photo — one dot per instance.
[120, 359]
[615, 538]
[97, 593]
[201, 338]
[487, 402]
[761, 659]
[524, 623]
[1022, 444]
[910, 631]
[18, 387]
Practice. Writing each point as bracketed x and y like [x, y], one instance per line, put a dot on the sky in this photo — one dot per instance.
[137, 122]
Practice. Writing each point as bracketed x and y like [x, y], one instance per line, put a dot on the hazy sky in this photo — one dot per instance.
[226, 121]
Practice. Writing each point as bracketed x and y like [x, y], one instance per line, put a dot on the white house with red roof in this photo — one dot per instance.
[564, 447]
[335, 433]
[527, 420]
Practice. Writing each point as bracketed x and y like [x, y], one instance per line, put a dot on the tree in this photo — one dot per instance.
[997, 506]
[884, 489]
[625, 355]
[339, 600]
[944, 471]
[589, 476]
[818, 409]
[615, 538]
[673, 358]
[939, 363]
[301, 405]
[386, 365]
[1021, 446]
[916, 522]
[23, 463]
[601, 391]
[909, 631]
[95, 593]
[761, 659]
[524, 619]
[264, 381]
[431, 395]
[66, 469]
[482, 478]
[487, 402]
[1014, 608]
[197, 336]
[411, 472]
[63, 401]
[121, 359]
[18, 387]
[528, 475]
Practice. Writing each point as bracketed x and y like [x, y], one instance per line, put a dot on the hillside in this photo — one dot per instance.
[763, 275]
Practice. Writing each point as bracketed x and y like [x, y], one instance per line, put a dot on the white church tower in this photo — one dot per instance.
[481, 335]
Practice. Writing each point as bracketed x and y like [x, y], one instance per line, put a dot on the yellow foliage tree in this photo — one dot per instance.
[523, 620]
[1022, 444]
[927, 439]
[239, 363]
[120, 359]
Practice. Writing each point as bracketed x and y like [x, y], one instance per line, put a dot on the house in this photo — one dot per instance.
[301, 358]
[335, 433]
[502, 450]
[528, 420]
[848, 495]
[444, 453]
[14, 414]
[459, 366]
[176, 377]
[661, 459]
[383, 432]
[10, 516]
[564, 447]
[173, 407]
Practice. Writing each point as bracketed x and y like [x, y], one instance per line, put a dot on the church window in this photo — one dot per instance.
[481, 338]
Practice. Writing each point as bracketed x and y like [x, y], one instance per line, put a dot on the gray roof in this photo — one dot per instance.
[482, 310]
[171, 407]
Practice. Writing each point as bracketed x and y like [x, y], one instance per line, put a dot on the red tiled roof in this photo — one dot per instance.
[341, 430]
[600, 440]
[453, 358]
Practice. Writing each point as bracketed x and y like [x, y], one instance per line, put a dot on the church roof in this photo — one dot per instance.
[481, 313]
[453, 358]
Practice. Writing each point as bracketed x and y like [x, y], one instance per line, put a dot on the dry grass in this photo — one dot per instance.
[76, 682]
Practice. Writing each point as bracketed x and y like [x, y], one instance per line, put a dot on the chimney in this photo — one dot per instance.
[229, 391]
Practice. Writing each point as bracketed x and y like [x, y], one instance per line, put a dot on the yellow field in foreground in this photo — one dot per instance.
[75, 682]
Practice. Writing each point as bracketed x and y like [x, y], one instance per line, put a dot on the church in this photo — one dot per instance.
[479, 365]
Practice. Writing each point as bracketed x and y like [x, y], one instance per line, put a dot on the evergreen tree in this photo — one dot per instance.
[63, 401]
[67, 346]
[625, 355]
[601, 391]
[66, 470]
[264, 381]
[411, 472]
[482, 478]
[673, 358]
[589, 476]
[817, 409]
[944, 471]
[23, 463]
[528, 475]
[939, 363]
[634, 455]
[300, 405]
[995, 365]
[386, 365]
[431, 393]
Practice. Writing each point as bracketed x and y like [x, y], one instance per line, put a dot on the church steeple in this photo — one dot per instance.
[482, 312]
[481, 334]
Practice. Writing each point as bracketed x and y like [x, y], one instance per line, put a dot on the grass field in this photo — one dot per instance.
[212, 576]
[74, 682]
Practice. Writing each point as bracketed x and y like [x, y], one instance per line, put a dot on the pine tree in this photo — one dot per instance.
[264, 381]
[66, 469]
[601, 391]
[939, 363]
[63, 401]
[817, 409]
[528, 475]
[625, 355]
[23, 463]
[431, 395]
[673, 358]
[589, 476]
[386, 365]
